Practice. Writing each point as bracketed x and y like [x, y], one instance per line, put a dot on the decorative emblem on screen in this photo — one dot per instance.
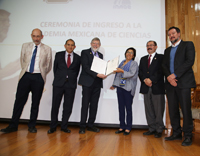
[122, 4]
[57, 1]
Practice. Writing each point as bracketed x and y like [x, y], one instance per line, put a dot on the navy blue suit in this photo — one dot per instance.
[64, 83]
[154, 99]
[91, 85]
[154, 73]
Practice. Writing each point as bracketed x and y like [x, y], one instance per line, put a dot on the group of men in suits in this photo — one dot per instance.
[36, 62]
[176, 65]
[66, 70]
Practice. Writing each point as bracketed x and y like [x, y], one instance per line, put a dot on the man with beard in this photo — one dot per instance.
[177, 67]
[36, 62]
[152, 86]
[91, 86]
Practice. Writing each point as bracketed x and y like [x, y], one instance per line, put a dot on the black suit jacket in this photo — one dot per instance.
[154, 73]
[183, 62]
[88, 76]
[61, 71]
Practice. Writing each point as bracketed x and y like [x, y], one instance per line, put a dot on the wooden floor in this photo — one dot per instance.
[105, 143]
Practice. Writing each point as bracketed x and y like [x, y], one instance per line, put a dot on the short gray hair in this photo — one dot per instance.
[96, 39]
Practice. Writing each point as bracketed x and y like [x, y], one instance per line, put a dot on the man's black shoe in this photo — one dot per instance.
[157, 135]
[9, 129]
[51, 130]
[93, 129]
[119, 131]
[126, 133]
[174, 137]
[82, 131]
[187, 141]
[66, 130]
[32, 129]
[149, 133]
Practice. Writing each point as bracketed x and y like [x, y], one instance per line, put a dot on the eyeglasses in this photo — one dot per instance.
[151, 45]
[130, 53]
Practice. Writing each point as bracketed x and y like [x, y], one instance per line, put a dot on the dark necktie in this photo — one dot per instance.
[149, 60]
[33, 60]
[68, 60]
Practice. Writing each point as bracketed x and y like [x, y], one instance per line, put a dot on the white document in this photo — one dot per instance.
[103, 67]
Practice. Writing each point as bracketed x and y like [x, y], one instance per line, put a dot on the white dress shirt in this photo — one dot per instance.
[37, 59]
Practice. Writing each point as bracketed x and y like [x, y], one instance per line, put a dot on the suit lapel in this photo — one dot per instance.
[42, 51]
[63, 58]
[74, 60]
[154, 59]
[168, 54]
[91, 54]
[146, 61]
[178, 50]
[100, 55]
[29, 50]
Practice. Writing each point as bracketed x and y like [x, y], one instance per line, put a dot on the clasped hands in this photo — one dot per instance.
[172, 80]
[148, 82]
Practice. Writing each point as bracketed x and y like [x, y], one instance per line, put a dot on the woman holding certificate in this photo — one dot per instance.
[125, 82]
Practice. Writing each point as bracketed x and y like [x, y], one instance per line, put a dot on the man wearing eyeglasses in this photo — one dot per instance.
[91, 86]
[36, 63]
[152, 87]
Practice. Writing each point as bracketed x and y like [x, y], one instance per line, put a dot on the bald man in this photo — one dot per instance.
[36, 62]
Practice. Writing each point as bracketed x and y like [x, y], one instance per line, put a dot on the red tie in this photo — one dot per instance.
[68, 60]
[149, 60]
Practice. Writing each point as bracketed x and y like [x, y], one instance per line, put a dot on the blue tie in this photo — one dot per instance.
[33, 60]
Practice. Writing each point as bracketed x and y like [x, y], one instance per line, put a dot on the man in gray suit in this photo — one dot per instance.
[36, 62]
[152, 86]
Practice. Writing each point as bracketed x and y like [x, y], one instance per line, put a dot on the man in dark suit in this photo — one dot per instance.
[91, 86]
[36, 62]
[152, 86]
[177, 67]
[66, 69]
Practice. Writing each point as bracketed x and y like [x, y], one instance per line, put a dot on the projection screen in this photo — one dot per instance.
[119, 24]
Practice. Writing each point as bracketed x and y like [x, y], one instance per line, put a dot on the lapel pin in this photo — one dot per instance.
[155, 58]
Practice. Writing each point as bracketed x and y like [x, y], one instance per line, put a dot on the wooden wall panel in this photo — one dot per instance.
[185, 14]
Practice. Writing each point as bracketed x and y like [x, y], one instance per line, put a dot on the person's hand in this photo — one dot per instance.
[101, 76]
[112, 88]
[171, 77]
[173, 82]
[119, 70]
[148, 82]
